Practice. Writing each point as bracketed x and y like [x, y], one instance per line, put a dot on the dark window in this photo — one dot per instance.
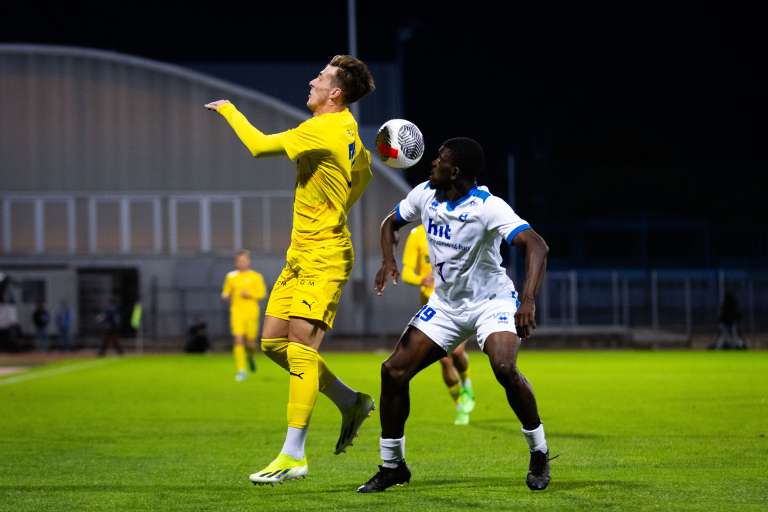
[32, 291]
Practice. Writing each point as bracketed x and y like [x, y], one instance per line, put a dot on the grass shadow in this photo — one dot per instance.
[507, 426]
[48, 488]
[484, 482]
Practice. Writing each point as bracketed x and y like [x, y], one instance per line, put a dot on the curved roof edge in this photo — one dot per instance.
[171, 69]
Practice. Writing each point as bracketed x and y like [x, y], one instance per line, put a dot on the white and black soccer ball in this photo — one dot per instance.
[399, 143]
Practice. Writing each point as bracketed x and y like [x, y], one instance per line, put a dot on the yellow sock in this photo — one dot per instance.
[277, 350]
[465, 374]
[304, 384]
[455, 391]
[239, 352]
[326, 375]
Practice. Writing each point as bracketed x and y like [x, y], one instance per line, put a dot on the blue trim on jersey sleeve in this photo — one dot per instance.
[482, 194]
[399, 220]
[519, 229]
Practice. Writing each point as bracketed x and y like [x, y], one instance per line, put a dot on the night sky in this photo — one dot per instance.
[622, 115]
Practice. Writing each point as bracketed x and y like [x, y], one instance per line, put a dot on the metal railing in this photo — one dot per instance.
[685, 302]
[83, 215]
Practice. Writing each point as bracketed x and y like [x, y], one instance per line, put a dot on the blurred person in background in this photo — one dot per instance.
[197, 336]
[64, 325]
[41, 318]
[730, 315]
[109, 320]
[244, 288]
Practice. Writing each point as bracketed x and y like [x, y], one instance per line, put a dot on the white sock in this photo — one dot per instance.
[536, 440]
[392, 451]
[294, 442]
[340, 394]
[467, 383]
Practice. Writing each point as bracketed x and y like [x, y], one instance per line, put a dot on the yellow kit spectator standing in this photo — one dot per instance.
[243, 288]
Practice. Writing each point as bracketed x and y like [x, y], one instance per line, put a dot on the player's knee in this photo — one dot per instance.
[393, 376]
[272, 348]
[505, 371]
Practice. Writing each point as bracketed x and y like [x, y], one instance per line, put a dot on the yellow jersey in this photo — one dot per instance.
[416, 265]
[333, 170]
[248, 281]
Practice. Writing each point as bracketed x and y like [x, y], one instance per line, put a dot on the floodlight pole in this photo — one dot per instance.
[511, 200]
[358, 211]
[352, 40]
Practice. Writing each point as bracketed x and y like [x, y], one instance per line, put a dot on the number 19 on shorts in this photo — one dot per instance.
[425, 313]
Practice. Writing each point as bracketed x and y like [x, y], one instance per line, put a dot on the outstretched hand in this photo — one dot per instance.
[216, 105]
[525, 318]
[387, 270]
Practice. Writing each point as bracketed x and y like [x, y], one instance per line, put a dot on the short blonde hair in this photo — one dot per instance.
[353, 77]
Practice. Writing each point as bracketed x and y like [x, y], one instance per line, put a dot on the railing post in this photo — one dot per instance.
[751, 301]
[688, 312]
[182, 309]
[615, 296]
[625, 301]
[153, 292]
[39, 218]
[266, 224]
[574, 298]
[654, 300]
[545, 300]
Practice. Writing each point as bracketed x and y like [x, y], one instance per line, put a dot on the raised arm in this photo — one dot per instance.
[258, 143]
[535, 267]
[388, 267]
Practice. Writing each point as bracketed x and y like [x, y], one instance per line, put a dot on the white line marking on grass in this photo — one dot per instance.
[54, 371]
[8, 370]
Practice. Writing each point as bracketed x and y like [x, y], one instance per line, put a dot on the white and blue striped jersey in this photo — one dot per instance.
[464, 237]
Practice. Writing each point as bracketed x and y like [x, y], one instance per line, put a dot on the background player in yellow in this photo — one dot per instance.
[243, 288]
[333, 169]
[417, 271]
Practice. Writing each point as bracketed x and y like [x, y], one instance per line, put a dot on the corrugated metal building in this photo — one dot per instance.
[114, 180]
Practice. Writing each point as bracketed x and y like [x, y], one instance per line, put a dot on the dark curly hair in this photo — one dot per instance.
[466, 154]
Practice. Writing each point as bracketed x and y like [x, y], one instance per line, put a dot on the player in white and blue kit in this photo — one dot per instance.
[465, 226]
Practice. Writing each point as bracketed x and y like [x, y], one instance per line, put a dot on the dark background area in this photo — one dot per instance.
[638, 132]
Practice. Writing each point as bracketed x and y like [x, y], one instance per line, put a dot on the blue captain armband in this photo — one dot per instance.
[519, 229]
[399, 221]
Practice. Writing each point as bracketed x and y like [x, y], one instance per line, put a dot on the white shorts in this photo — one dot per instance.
[448, 328]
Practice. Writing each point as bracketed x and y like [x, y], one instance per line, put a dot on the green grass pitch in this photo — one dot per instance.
[634, 430]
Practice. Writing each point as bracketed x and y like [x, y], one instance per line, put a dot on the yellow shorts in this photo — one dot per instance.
[244, 323]
[311, 283]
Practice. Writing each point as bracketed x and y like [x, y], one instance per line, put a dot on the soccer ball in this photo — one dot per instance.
[399, 143]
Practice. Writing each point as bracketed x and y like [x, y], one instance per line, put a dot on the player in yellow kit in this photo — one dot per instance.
[417, 271]
[243, 288]
[333, 170]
